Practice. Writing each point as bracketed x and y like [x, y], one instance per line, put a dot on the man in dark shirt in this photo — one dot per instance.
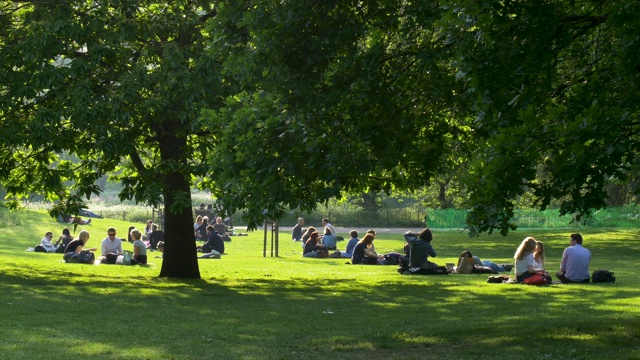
[214, 241]
[296, 233]
[420, 249]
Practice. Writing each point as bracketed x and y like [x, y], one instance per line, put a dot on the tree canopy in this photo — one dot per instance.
[285, 104]
[343, 96]
[348, 95]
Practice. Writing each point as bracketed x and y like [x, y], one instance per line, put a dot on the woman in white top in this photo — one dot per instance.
[524, 259]
[538, 255]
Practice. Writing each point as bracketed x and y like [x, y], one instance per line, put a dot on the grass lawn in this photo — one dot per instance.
[250, 307]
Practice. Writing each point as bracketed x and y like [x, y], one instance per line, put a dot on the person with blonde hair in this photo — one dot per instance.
[365, 252]
[77, 245]
[139, 248]
[524, 260]
[197, 223]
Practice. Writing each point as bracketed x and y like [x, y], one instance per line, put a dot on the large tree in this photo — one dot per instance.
[351, 96]
[120, 85]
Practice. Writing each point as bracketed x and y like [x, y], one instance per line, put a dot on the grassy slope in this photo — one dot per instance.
[251, 307]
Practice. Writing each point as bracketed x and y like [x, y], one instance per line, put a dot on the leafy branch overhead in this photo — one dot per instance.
[539, 98]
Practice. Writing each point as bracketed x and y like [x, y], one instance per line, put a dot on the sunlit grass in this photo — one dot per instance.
[252, 307]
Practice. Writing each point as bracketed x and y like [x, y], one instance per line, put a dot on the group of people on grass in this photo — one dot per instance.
[214, 236]
[360, 251]
[529, 258]
[574, 266]
[111, 245]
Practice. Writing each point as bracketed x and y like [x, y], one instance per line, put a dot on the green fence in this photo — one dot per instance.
[623, 217]
[614, 217]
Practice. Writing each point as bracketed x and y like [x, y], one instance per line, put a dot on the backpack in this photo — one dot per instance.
[603, 276]
[538, 279]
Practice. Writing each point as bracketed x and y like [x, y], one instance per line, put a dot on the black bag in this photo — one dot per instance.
[603, 276]
[497, 279]
[440, 270]
[39, 248]
[110, 259]
[481, 269]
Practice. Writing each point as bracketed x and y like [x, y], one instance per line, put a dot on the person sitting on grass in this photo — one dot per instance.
[574, 267]
[197, 223]
[161, 249]
[420, 249]
[111, 247]
[538, 255]
[327, 224]
[148, 229]
[214, 242]
[307, 234]
[312, 246]
[201, 231]
[46, 243]
[139, 248]
[221, 228]
[524, 260]
[351, 244]
[329, 239]
[365, 252]
[77, 245]
[296, 232]
[63, 240]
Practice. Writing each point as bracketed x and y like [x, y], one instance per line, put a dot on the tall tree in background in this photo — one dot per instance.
[120, 85]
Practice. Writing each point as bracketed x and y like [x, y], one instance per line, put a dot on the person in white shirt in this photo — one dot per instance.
[524, 259]
[46, 242]
[574, 267]
[538, 255]
[111, 247]
[327, 224]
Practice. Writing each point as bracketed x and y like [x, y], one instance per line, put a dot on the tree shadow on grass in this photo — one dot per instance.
[416, 317]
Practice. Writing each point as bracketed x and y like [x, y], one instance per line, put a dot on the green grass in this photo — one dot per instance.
[252, 307]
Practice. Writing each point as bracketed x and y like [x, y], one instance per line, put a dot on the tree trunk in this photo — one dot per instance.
[369, 202]
[442, 194]
[179, 259]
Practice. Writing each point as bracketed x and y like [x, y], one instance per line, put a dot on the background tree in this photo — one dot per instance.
[555, 105]
[120, 85]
